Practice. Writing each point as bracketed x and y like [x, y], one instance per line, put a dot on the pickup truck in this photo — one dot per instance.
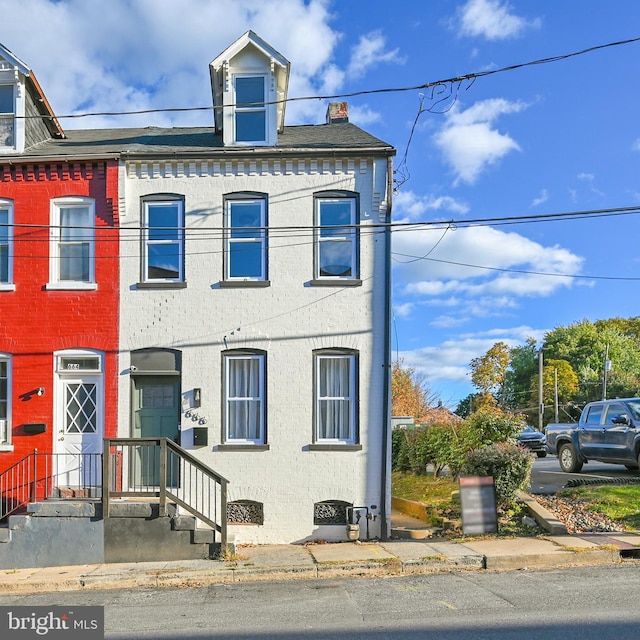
[608, 431]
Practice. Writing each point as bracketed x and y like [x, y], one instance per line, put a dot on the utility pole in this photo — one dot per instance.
[555, 395]
[540, 393]
[607, 368]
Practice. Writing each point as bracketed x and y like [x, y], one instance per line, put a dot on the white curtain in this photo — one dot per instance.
[334, 405]
[244, 410]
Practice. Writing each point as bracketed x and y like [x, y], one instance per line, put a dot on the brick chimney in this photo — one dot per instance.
[337, 112]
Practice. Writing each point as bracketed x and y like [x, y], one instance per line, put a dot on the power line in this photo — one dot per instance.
[467, 77]
[399, 225]
[521, 271]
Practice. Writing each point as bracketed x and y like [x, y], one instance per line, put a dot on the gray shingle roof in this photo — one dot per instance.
[200, 141]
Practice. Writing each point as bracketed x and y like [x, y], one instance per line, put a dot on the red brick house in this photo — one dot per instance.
[58, 282]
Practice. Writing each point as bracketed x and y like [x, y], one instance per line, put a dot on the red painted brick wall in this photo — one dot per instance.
[34, 322]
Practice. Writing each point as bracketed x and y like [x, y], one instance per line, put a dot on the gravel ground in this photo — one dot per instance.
[576, 515]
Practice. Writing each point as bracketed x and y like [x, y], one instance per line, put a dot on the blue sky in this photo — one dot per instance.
[543, 139]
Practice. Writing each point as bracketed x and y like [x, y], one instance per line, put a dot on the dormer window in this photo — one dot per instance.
[251, 113]
[249, 81]
[7, 117]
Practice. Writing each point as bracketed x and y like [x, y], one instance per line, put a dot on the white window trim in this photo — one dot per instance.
[229, 241]
[353, 371]
[13, 79]
[179, 242]
[9, 285]
[227, 357]
[253, 109]
[350, 235]
[55, 283]
[7, 446]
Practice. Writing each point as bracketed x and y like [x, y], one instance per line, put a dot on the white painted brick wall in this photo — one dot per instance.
[288, 319]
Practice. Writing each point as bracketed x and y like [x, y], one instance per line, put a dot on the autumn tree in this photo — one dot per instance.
[489, 371]
[410, 393]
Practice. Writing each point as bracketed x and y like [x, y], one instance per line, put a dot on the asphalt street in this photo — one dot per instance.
[547, 477]
[581, 603]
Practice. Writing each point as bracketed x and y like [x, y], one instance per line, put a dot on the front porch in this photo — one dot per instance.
[142, 500]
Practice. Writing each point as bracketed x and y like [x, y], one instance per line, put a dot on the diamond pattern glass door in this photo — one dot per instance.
[81, 408]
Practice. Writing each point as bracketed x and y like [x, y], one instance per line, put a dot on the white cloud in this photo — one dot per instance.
[370, 51]
[541, 199]
[636, 145]
[449, 360]
[407, 204]
[91, 56]
[403, 310]
[464, 272]
[468, 141]
[492, 19]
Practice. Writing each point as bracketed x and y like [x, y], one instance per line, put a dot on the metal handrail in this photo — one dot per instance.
[39, 476]
[159, 468]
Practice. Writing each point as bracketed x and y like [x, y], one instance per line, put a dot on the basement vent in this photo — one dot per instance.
[245, 512]
[330, 512]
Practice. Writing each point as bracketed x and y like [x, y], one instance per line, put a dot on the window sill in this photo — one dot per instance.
[161, 285]
[71, 286]
[355, 282]
[334, 447]
[7, 287]
[235, 284]
[242, 447]
[6, 447]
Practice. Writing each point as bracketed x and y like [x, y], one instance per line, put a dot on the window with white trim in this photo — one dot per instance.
[6, 242]
[245, 248]
[72, 243]
[335, 391]
[250, 108]
[336, 237]
[5, 401]
[163, 240]
[7, 117]
[244, 401]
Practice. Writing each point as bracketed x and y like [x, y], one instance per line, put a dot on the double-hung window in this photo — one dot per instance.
[5, 401]
[335, 390]
[245, 238]
[244, 397]
[336, 237]
[6, 243]
[7, 117]
[163, 240]
[250, 108]
[73, 243]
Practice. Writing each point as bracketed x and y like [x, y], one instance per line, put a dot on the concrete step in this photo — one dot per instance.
[5, 533]
[423, 533]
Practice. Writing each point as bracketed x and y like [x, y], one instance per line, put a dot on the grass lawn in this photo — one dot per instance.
[618, 502]
[427, 489]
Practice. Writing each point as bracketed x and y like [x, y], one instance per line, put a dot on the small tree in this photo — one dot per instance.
[410, 393]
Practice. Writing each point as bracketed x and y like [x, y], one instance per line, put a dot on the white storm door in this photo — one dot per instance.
[79, 431]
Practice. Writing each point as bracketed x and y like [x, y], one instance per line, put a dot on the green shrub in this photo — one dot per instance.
[488, 426]
[509, 464]
[413, 449]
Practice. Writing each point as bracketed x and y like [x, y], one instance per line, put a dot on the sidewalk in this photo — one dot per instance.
[332, 560]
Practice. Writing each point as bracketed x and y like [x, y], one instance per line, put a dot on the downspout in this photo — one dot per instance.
[386, 413]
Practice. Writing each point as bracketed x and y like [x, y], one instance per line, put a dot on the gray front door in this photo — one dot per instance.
[156, 411]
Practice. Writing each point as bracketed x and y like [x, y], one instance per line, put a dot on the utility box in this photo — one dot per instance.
[200, 436]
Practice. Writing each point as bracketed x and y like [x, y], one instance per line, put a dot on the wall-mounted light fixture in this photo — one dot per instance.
[40, 391]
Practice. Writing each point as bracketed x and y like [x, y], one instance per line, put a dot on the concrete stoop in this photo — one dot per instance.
[67, 532]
